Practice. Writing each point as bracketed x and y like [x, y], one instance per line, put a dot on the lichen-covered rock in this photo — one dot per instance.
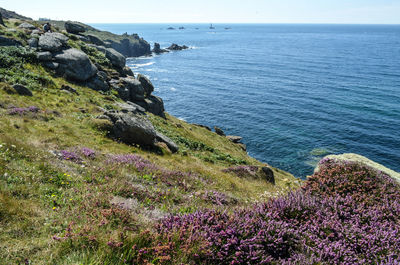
[52, 42]
[268, 175]
[74, 28]
[75, 64]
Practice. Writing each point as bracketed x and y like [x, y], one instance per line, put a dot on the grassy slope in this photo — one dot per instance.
[59, 211]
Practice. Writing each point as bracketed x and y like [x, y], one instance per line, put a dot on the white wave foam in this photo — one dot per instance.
[173, 89]
[142, 64]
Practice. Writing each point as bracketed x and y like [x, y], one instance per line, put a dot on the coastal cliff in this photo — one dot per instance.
[94, 170]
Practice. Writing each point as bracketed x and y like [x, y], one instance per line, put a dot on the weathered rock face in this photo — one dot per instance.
[52, 42]
[153, 104]
[98, 82]
[75, 64]
[131, 90]
[74, 28]
[146, 83]
[365, 161]
[131, 49]
[26, 25]
[9, 42]
[116, 58]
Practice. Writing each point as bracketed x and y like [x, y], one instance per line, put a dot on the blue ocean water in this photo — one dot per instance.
[294, 92]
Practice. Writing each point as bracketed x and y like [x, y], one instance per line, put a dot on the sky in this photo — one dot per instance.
[212, 11]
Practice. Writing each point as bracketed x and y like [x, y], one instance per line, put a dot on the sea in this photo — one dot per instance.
[294, 92]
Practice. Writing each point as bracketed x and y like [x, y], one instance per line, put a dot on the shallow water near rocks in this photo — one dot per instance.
[294, 92]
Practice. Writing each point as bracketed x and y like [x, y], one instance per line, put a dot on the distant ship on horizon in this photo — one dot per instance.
[211, 26]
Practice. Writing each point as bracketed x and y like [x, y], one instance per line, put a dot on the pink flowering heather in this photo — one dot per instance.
[345, 214]
[87, 152]
[69, 155]
[22, 111]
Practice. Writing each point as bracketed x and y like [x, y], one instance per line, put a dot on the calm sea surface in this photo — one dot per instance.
[294, 92]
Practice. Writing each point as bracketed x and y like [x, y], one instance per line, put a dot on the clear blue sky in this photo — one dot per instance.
[216, 11]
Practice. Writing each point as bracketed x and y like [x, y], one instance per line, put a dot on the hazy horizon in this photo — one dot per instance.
[218, 12]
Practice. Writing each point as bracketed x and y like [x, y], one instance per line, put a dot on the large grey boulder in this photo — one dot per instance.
[116, 59]
[146, 84]
[52, 42]
[132, 128]
[75, 64]
[26, 25]
[234, 139]
[74, 28]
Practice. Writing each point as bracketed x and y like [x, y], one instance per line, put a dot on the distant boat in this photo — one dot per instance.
[181, 27]
[228, 28]
[211, 26]
[171, 28]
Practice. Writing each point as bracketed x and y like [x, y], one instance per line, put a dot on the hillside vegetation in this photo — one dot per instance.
[73, 193]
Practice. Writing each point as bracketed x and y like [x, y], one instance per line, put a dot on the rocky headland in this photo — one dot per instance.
[94, 170]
